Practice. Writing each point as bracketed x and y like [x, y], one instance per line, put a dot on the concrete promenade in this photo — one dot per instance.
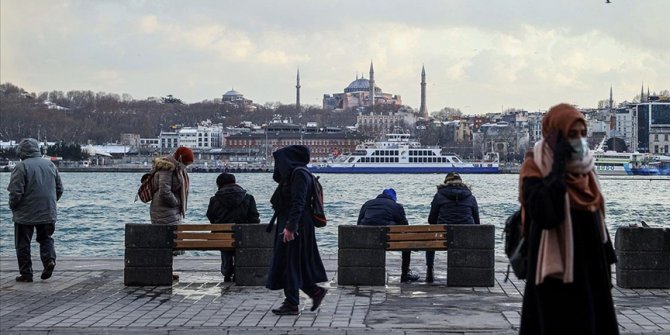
[87, 296]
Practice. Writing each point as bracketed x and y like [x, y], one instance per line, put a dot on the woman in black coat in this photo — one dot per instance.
[568, 284]
[296, 263]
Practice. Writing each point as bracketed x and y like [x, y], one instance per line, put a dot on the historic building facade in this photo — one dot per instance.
[360, 93]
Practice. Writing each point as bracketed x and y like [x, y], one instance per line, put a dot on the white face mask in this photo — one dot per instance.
[580, 146]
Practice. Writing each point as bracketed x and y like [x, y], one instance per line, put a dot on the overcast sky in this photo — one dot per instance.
[480, 56]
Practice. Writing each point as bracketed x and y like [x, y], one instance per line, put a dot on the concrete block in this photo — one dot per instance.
[149, 236]
[362, 276]
[643, 260]
[474, 258]
[470, 277]
[251, 276]
[642, 239]
[361, 237]
[642, 278]
[253, 257]
[145, 257]
[361, 257]
[253, 236]
[147, 276]
[470, 236]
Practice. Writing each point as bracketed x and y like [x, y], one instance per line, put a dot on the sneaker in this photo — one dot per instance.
[408, 277]
[286, 309]
[24, 279]
[48, 270]
[318, 298]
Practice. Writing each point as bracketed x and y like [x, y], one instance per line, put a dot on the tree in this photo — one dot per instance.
[447, 114]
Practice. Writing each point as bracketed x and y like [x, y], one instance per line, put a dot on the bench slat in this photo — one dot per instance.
[205, 245]
[417, 245]
[416, 229]
[204, 236]
[218, 227]
[418, 236]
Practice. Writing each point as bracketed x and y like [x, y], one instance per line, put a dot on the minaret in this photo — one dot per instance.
[423, 110]
[642, 93]
[297, 92]
[611, 101]
[372, 87]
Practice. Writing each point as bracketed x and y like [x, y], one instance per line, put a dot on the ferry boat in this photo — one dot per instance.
[398, 153]
[651, 166]
[613, 163]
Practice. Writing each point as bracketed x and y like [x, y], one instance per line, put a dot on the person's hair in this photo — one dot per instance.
[225, 179]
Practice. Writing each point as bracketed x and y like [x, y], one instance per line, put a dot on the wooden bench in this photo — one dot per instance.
[423, 237]
[205, 237]
[149, 248]
[470, 260]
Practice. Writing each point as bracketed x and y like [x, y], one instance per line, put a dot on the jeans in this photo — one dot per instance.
[23, 234]
[293, 296]
[430, 258]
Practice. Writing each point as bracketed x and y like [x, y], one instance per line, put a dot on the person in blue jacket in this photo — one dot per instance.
[452, 204]
[296, 263]
[385, 211]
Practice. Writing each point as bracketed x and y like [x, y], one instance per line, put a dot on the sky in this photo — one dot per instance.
[479, 56]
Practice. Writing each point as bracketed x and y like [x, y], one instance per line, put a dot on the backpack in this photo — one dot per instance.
[316, 199]
[146, 191]
[515, 246]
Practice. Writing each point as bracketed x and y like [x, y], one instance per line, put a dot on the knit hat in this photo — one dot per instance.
[391, 193]
[184, 155]
[453, 178]
[224, 179]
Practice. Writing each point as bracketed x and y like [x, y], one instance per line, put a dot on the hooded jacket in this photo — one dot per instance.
[295, 264]
[453, 204]
[382, 211]
[167, 200]
[34, 187]
[232, 204]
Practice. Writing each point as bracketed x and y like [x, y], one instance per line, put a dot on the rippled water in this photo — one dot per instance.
[96, 206]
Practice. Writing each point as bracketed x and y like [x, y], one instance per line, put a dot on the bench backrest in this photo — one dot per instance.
[204, 237]
[419, 237]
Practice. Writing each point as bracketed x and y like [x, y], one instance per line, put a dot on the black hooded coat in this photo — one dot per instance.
[232, 204]
[453, 204]
[296, 264]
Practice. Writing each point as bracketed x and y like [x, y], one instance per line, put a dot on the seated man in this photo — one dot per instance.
[385, 211]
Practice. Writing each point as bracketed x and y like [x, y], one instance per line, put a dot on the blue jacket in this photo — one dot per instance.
[453, 204]
[382, 211]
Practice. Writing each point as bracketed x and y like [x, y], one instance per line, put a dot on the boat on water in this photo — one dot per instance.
[398, 153]
[612, 163]
[651, 165]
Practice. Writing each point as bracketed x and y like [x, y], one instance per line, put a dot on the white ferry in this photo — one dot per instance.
[613, 163]
[400, 154]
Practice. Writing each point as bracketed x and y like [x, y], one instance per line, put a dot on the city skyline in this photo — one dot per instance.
[479, 58]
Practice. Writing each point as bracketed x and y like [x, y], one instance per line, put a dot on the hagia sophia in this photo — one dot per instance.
[356, 95]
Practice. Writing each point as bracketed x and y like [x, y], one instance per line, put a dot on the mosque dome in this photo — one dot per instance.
[232, 93]
[360, 84]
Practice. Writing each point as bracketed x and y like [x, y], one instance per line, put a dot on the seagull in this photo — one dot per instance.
[607, 1]
[644, 224]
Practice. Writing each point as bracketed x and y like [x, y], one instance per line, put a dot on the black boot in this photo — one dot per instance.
[429, 274]
[286, 309]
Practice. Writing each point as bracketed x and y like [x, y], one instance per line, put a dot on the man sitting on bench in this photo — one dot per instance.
[385, 211]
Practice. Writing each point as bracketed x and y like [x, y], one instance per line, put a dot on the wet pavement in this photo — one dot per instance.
[87, 296]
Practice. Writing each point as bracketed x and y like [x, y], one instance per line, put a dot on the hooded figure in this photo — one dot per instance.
[171, 184]
[34, 188]
[452, 204]
[568, 284]
[296, 262]
[231, 204]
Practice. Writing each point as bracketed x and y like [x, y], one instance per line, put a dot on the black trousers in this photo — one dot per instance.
[23, 234]
[293, 296]
[227, 263]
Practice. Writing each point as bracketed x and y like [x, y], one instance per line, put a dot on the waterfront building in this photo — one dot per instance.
[653, 118]
[501, 137]
[360, 93]
[534, 127]
[201, 137]
[168, 140]
[322, 145]
[381, 124]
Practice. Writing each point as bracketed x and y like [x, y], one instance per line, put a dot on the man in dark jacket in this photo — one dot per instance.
[34, 187]
[452, 204]
[296, 263]
[385, 211]
[231, 204]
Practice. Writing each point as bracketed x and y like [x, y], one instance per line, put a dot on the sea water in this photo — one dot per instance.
[96, 206]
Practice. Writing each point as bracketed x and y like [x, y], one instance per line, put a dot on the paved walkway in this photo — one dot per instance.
[87, 296]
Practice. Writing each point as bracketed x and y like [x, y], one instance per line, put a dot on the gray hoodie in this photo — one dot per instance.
[34, 186]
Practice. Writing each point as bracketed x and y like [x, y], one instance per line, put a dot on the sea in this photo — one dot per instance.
[96, 206]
